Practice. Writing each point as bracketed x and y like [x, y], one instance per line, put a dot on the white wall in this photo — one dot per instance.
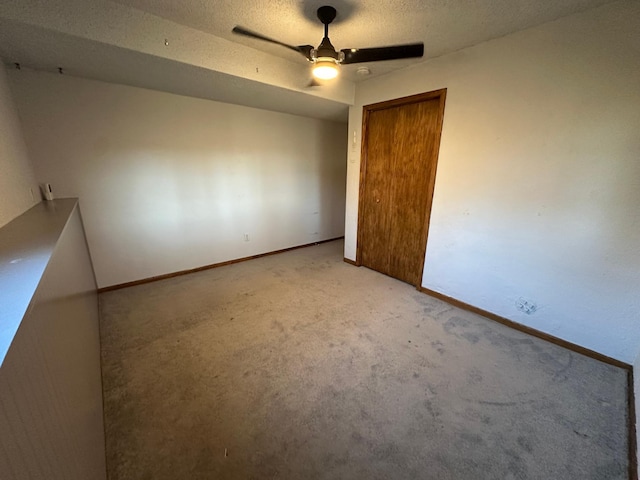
[168, 183]
[16, 172]
[538, 186]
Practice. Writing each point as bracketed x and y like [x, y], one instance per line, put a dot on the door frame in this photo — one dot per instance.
[366, 111]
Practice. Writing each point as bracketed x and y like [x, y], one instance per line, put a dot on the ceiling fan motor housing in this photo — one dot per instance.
[326, 50]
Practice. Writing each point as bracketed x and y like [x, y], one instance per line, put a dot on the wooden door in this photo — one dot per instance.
[400, 151]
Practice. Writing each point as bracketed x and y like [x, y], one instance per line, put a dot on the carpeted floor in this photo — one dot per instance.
[299, 366]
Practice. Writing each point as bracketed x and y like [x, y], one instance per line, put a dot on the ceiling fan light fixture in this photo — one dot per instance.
[325, 68]
[327, 60]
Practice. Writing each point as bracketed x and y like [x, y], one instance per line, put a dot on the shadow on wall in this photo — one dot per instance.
[169, 183]
[331, 177]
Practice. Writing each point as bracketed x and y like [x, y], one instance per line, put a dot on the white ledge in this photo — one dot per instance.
[26, 246]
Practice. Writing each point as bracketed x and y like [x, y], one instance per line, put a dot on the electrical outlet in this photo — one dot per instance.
[527, 306]
[246, 237]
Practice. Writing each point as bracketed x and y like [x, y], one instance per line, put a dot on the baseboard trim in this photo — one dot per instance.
[208, 267]
[523, 328]
[633, 440]
[633, 454]
[633, 433]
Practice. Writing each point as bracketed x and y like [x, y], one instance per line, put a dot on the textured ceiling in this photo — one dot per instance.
[443, 25]
[47, 50]
[123, 41]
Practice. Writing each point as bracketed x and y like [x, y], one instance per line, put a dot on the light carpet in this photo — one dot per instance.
[299, 366]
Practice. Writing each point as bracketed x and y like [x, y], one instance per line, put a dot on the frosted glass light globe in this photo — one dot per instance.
[325, 69]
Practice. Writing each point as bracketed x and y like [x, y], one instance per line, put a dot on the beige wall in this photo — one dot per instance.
[537, 195]
[17, 180]
[168, 183]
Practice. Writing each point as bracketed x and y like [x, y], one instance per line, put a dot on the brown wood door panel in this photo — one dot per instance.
[377, 194]
[413, 161]
[400, 150]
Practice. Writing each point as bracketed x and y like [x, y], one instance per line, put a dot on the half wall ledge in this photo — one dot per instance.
[27, 244]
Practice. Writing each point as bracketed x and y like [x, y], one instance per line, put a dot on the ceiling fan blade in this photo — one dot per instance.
[360, 55]
[303, 49]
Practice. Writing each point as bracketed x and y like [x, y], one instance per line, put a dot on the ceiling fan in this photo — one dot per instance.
[327, 60]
